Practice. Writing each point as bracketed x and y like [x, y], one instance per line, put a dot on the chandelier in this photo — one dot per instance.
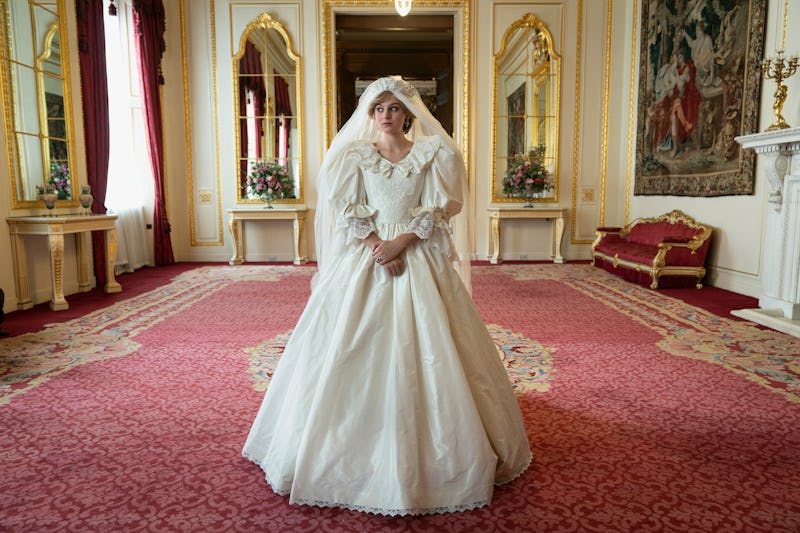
[403, 7]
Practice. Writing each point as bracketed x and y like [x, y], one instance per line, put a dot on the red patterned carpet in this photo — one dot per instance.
[644, 413]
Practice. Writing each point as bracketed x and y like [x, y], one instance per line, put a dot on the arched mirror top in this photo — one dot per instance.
[526, 114]
[50, 60]
[266, 73]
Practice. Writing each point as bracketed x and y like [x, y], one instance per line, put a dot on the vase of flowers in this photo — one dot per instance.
[59, 179]
[269, 180]
[527, 177]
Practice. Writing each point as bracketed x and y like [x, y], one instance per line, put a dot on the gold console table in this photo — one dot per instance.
[55, 227]
[296, 214]
[556, 215]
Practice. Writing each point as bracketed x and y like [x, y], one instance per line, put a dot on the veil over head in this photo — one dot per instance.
[359, 127]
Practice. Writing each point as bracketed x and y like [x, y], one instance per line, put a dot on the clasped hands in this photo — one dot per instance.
[388, 253]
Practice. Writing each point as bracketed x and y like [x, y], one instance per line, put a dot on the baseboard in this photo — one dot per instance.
[738, 282]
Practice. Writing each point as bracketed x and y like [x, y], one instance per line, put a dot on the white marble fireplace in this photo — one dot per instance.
[779, 301]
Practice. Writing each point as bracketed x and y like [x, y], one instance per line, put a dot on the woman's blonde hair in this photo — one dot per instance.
[382, 98]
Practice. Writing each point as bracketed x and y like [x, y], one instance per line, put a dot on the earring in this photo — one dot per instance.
[406, 124]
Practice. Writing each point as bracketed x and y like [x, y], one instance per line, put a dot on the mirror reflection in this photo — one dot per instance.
[526, 114]
[35, 85]
[266, 100]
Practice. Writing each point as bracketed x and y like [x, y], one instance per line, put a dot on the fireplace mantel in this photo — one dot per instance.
[779, 301]
[779, 147]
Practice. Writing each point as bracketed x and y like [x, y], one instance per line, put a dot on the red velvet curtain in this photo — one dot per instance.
[94, 92]
[283, 124]
[150, 24]
[251, 80]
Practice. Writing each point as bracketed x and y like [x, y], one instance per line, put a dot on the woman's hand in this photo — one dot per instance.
[386, 251]
[395, 267]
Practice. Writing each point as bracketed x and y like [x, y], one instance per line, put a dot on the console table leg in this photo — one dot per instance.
[18, 251]
[299, 241]
[57, 301]
[111, 254]
[495, 240]
[235, 228]
[83, 262]
[558, 228]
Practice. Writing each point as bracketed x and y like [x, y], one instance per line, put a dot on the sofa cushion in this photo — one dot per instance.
[653, 233]
[631, 251]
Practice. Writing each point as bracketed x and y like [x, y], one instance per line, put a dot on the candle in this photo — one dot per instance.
[785, 19]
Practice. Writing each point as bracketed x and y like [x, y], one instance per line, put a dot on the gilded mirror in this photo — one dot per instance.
[266, 74]
[36, 99]
[526, 107]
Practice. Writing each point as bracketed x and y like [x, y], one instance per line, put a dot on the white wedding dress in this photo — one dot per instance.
[390, 396]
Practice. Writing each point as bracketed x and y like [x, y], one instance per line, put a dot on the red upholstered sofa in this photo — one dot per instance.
[666, 251]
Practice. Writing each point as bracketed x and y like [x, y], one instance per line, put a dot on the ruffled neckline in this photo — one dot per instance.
[420, 155]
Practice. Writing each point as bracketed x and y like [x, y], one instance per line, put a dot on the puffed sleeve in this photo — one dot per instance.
[349, 198]
[441, 196]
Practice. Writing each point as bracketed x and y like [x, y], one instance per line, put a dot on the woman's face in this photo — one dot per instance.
[389, 115]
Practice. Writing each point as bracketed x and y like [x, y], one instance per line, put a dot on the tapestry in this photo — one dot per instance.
[699, 87]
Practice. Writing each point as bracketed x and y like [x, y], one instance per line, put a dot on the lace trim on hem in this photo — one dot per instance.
[390, 512]
[518, 473]
[396, 512]
[272, 485]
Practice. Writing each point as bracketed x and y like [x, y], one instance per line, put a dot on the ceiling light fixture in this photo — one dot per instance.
[403, 7]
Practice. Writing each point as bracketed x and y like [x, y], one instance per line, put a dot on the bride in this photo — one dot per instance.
[390, 397]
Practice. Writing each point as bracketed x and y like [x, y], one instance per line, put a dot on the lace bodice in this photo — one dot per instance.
[394, 190]
[372, 194]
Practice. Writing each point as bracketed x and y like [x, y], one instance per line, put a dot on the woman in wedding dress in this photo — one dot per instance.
[390, 396]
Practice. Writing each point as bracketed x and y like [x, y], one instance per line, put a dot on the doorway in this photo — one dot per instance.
[419, 48]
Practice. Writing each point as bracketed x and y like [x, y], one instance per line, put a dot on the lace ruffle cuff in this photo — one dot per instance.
[359, 220]
[425, 220]
[431, 225]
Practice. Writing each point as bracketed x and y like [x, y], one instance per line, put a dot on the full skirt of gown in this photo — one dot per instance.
[390, 396]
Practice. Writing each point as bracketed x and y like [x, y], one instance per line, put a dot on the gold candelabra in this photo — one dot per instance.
[779, 69]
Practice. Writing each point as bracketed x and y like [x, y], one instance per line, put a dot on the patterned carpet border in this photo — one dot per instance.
[31, 359]
[769, 358]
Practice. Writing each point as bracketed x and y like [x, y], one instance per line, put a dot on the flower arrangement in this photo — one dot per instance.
[59, 179]
[269, 180]
[526, 176]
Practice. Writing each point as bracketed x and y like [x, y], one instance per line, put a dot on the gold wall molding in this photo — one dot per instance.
[579, 133]
[631, 110]
[606, 91]
[577, 122]
[190, 181]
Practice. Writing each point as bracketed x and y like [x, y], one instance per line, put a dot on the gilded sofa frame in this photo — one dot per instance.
[658, 268]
